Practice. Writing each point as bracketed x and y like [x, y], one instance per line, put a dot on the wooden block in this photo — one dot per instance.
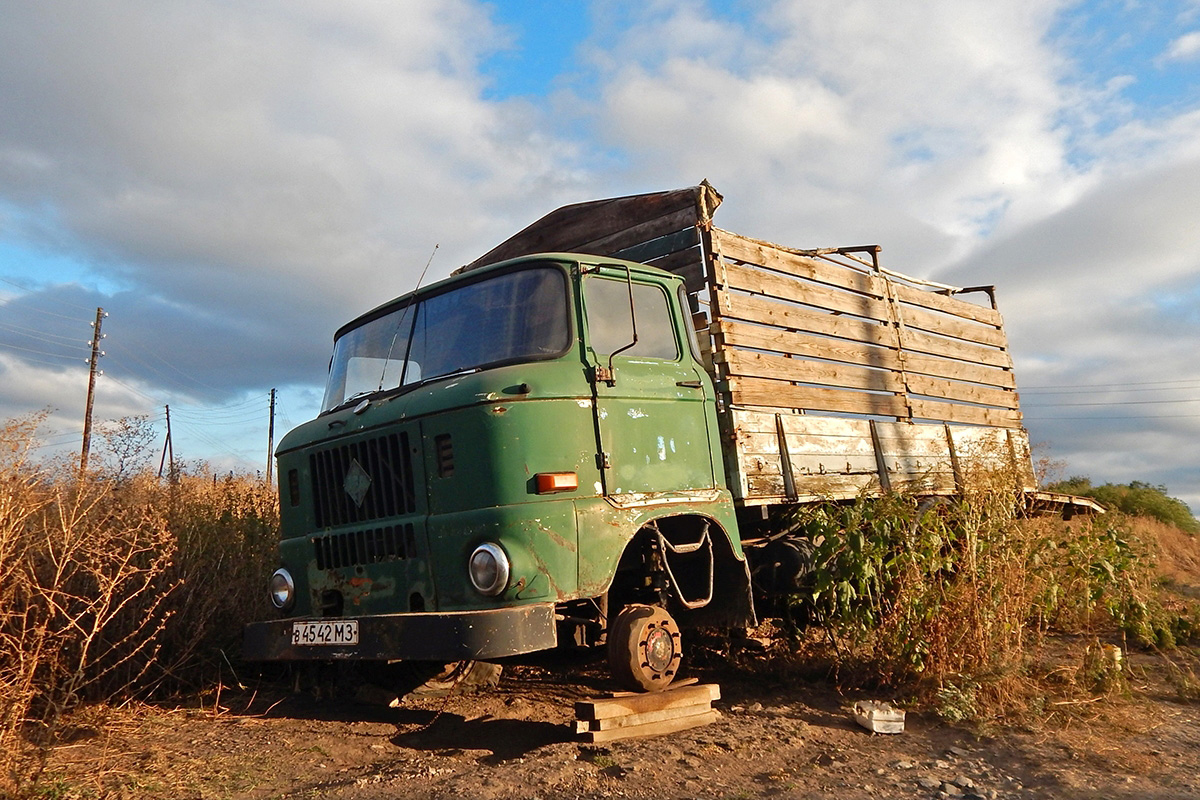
[653, 728]
[645, 718]
[651, 701]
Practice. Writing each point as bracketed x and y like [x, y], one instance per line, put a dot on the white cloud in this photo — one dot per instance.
[1183, 48]
[253, 175]
[959, 137]
[919, 126]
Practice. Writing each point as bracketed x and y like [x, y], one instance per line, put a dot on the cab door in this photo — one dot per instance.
[650, 394]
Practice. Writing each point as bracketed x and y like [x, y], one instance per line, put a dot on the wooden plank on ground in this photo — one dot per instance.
[607, 707]
[653, 728]
[633, 720]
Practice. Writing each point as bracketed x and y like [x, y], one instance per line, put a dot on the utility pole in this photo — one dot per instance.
[168, 447]
[91, 392]
[271, 440]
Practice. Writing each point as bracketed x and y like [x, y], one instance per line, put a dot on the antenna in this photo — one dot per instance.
[403, 316]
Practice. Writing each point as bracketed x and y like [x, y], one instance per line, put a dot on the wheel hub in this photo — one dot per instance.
[660, 649]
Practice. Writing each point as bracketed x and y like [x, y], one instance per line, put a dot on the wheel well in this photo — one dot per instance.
[687, 564]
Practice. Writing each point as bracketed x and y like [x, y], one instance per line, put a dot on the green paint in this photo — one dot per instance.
[384, 501]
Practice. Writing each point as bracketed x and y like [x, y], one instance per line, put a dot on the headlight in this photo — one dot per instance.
[283, 590]
[489, 569]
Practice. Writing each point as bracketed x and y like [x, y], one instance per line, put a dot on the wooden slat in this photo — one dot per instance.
[653, 728]
[758, 309]
[683, 258]
[569, 227]
[741, 248]
[742, 334]
[607, 707]
[962, 392]
[827, 487]
[967, 415]
[959, 370]
[776, 394]
[947, 304]
[785, 287]
[687, 265]
[932, 345]
[949, 326]
[634, 720]
[642, 234]
[760, 365]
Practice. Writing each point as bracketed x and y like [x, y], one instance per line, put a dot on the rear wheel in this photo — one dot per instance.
[644, 649]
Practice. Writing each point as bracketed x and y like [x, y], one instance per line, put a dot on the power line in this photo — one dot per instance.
[34, 333]
[1189, 386]
[27, 360]
[1108, 385]
[28, 290]
[1037, 418]
[39, 352]
[129, 351]
[1115, 403]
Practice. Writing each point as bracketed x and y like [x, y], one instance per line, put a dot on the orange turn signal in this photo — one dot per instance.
[550, 482]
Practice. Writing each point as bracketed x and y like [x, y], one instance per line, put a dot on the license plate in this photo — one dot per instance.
[325, 633]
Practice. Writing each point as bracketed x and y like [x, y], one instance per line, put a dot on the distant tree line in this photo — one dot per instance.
[1136, 499]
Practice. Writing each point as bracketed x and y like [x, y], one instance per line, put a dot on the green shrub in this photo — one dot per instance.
[938, 598]
[1136, 499]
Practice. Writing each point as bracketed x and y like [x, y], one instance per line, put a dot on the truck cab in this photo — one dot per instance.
[520, 454]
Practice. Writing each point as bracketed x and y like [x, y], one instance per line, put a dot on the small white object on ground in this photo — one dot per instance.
[879, 717]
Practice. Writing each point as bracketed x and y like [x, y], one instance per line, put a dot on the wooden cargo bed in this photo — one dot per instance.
[835, 376]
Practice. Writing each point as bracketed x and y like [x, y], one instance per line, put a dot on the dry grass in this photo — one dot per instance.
[115, 585]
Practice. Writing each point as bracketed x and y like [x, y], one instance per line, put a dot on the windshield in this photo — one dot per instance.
[517, 315]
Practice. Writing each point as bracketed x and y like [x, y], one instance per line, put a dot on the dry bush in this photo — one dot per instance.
[81, 590]
[226, 530]
[115, 584]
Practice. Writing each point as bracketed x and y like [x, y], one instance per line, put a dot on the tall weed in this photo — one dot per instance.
[950, 598]
[114, 583]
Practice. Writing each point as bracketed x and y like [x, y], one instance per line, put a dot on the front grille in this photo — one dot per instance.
[390, 543]
[362, 481]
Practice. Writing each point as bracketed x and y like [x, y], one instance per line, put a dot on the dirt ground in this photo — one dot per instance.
[773, 739]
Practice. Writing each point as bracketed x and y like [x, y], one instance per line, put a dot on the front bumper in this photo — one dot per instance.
[450, 636]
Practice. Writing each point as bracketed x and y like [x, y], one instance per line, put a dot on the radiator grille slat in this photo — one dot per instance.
[363, 547]
[386, 461]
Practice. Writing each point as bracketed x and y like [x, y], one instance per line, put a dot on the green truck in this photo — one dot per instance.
[582, 437]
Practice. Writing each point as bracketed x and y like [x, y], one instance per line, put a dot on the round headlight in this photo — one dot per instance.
[283, 590]
[489, 569]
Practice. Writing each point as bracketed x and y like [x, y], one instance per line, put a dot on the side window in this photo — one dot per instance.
[609, 324]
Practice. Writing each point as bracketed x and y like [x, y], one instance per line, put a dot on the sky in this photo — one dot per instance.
[230, 182]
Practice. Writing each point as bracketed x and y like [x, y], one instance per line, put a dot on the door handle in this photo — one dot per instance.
[690, 384]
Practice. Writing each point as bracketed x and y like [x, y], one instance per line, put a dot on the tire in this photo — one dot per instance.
[644, 648]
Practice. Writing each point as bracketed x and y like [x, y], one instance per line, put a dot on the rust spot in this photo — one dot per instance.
[499, 409]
